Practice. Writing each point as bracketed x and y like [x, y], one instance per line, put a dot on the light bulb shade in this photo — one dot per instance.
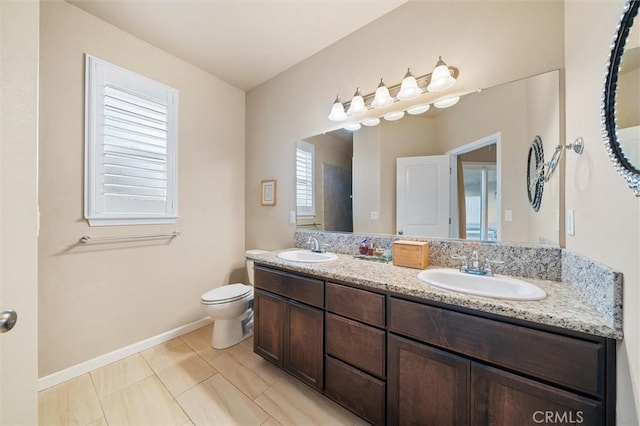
[371, 122]
[393, 116]
[382, 99]
[357, 104]
[352, 127]
[418, 109]
[441, 77]
[408, 88]
[446, 103]
[337, 111]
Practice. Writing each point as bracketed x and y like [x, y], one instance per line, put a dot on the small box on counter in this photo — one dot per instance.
[412, 254]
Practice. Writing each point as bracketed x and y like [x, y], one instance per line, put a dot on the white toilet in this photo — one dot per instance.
[231, 307]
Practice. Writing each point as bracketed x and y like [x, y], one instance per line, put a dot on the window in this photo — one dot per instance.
[131, 147]
[304, 179]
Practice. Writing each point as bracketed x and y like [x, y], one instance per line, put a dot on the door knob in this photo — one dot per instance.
[8, 319]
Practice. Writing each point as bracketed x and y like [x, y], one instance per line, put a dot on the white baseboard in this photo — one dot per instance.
[84, 367]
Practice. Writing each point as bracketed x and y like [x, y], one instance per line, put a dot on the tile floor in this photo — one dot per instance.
[187, 382]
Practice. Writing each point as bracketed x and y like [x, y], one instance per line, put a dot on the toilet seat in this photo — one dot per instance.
[226, 293]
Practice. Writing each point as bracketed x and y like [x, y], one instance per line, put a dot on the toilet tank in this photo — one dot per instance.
[250, 263]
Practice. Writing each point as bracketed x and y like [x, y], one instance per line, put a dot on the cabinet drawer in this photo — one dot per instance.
[292, 286]
[357, 391]
[567, 361]
[355, 343]
[360, 305]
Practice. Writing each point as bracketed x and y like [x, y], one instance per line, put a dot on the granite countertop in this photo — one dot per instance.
[562, 308]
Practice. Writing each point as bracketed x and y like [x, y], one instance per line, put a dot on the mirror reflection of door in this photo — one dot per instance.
[422, 189]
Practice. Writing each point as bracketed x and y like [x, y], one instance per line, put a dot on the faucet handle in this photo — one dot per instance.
[464, 266]
[488, 263]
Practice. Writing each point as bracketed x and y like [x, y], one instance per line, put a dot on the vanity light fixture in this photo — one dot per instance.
[408, 88]
[337, 111]
[352, 127]
[393, 116]
[371, 122]
[441, 78]
[357, 106]
[382, 98]
[418, 109]
[446, 103]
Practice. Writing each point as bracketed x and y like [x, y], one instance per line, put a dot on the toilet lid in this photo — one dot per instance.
[226, 293]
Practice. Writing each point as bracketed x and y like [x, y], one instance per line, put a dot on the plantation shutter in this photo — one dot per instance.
[304, 179]
[131, 141]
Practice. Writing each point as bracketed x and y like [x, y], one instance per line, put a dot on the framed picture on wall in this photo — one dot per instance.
[269, 192]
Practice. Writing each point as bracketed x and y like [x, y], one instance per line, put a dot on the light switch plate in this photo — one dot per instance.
[292, 217]
[571, 222]
[508, 215]
[375, 215]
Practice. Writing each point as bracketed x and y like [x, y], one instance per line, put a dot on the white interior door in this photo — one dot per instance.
[422, 191]
[19, 34]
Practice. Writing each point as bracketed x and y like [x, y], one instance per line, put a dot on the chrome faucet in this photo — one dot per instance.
[474, 260]
[315, 245]
[475, 263]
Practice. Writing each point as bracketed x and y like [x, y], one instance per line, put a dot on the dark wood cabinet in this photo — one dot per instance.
[287, 332]
[303, 355]
[360, 392]
[427, 386]
[535, 377]
[502, 398]
[355, 345]
[392, 359]
[268, 327]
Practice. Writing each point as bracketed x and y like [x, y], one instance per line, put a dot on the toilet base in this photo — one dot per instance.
[227, 333]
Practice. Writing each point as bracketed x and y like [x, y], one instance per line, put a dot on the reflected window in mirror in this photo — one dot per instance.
[305, 153]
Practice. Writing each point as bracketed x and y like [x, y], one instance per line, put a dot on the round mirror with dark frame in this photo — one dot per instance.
[622, 154]
[535, 173]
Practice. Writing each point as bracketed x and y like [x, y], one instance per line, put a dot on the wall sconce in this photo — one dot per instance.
[337, 111]
[577, 146]
[443, 77]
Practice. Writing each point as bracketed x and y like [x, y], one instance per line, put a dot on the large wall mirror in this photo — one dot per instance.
[621, 107]
[459, 172]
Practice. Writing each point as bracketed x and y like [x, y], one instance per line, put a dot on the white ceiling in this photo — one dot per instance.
[244, 42]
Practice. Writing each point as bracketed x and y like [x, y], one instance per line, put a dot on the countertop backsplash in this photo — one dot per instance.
[519, 260]
[597, 285]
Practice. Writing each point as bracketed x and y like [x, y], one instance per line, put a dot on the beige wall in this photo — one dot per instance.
[97, 299]
[607, 215]
[296, 103]
[18, 209]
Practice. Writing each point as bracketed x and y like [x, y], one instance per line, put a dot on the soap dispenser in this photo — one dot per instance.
[364, 247]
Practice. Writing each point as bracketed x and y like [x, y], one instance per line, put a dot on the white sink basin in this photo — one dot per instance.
[497, 287]
[307, 256]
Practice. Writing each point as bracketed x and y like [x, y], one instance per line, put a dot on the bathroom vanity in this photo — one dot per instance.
[395, 351]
